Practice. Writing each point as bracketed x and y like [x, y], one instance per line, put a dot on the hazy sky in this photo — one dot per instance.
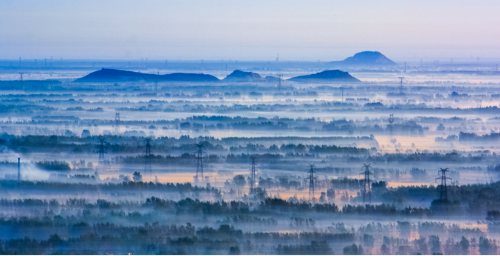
[252, 30]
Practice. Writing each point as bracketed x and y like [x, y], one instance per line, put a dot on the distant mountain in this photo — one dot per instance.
[114, 75]
[367, 58]
[325, 77]
[242, 76]
[238, 76]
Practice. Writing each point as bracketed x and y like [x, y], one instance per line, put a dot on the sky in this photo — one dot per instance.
[248, 30]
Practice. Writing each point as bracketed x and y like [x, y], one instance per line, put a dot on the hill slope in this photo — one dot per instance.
[241, 76]
[114, 75]
[325, 77]
[367, 58]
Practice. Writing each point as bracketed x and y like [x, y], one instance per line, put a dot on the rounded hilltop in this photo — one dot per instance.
[325, 76]
[367, 58]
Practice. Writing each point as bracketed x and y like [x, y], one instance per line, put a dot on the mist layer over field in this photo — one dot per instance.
[157, 167]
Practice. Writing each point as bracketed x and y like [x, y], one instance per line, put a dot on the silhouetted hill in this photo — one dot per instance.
[325, 77]
[367, 58]
[114, 75]
[242, 76]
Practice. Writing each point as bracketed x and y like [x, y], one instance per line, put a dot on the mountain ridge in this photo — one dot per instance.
[238, 76]
[115, 75]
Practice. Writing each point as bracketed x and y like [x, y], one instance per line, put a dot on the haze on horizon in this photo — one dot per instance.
[254, 30]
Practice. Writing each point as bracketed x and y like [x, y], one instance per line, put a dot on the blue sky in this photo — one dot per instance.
[248, 30]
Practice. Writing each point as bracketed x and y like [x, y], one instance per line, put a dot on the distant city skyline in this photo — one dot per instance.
[255, 30]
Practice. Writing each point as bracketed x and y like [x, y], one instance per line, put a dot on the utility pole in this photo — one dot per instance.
[443, 192]
[311, 182]
[252, 175]
[401, 86]
[391, 121]
[367, 190]
[199, 165]
[147, 157]
[117, 123]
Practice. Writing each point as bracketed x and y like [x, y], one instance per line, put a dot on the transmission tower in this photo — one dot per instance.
[199, 165]
[391, 121]
[18, 169]
[367, 190]
[156, 81]
[280, 76]
[117, 123]
[443, 192]
[147, 157]
[401, 86]
[101, 150]
[21, 81]
[252, 175]
[311, 182]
